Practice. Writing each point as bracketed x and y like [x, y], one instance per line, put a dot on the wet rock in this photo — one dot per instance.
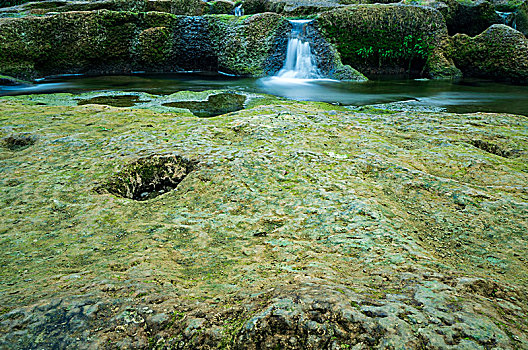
[102, 42]
[328, 59]
[10, 81]
[384, 229]
[498, 53]
[386, 39]
[254, 46]
[216, 104]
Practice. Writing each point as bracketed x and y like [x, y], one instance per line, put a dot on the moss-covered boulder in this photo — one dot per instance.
[252, 45]
[260, 6]
[10, 81]
[119, 42]
[440, 64]
[179, 7]
[328, 59]
[221, 7]
[461, 16]
[470, 17]
[385, 39]
[521, 18]
[500, 52]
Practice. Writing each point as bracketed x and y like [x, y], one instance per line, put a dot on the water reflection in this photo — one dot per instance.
[464, 96]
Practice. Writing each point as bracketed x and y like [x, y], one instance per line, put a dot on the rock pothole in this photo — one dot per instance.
[215, 105]
[493, 148]
[149, 177]
[114, 101]
[17, 142]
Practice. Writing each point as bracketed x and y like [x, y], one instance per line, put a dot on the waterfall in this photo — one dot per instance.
[239, 11]
[300, 63]
[508, 18]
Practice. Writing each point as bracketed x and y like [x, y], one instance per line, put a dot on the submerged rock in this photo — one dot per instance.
[10, 81]
[498, 53]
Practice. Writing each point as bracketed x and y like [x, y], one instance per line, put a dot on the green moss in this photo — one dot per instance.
[110, 41]
[497, 53]
[155, 45]
[383, 35]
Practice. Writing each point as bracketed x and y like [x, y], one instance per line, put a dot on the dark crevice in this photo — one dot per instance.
[493, 148]
[149, 177]
[17, 142]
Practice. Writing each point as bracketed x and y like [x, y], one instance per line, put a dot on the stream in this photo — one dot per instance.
[460, 97]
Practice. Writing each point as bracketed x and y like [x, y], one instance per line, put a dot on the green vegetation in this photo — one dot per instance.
[384, 36]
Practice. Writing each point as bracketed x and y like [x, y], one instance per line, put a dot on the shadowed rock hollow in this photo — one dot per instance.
[149, 177]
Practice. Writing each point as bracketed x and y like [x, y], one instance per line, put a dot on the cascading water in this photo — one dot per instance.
[299, 76]
[239, 11]
[508, 18]
[300, 63]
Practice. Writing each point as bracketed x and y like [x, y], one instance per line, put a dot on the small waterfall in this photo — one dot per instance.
[239, 11]
[508, 18]
[300, 63]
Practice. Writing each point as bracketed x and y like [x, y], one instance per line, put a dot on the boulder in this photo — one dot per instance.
[470, 17]
[221, 7]
[388, 39]
[178, 7]
[521, 18]
[500, 53]
[328, 59]
[10, 81]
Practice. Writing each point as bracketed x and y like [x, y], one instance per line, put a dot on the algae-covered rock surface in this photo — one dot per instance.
[389, 39]
[110, 42]
[295, 225]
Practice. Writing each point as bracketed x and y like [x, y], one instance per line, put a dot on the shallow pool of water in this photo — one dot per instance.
[461, 97]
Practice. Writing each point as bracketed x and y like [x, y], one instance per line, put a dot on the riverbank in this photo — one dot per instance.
[299, 225]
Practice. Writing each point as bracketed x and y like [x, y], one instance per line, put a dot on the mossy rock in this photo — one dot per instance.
[250, 45]
[155, 45]
[521, 18]
[498, 53]
[102, 42]
[470, 17]
[440, 64]
[10, 81]
[384, 38]
[221, 7]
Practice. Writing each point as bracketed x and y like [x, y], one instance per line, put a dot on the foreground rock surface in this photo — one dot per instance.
[301, 226]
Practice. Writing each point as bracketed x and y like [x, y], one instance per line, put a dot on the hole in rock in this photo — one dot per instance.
[149, 177]
[114, 101]
[215, 105]
[493, 148]
[18, 142]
